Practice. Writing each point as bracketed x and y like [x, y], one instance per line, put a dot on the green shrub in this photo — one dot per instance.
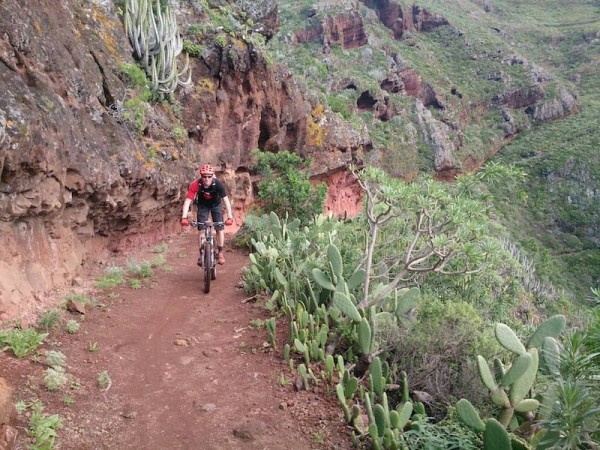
[55, 358]
[140, 270]
[68, 400]
[178, 133]
[114, 277]
[134, 75]
[285, 187]
[79, 298]
[55, 378]
[49, 319]
[21, 342]
[72, 326]
[192, 49]
[437, 351]
[158, 261]
[43, 428]
[160, 248]
[253, 224]
[135, 113]
[104, 381]
[221, 41]
[448, 434]
[196, 29]
[339, 104]
[570, 412]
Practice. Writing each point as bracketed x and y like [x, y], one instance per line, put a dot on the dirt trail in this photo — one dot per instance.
[187, 371]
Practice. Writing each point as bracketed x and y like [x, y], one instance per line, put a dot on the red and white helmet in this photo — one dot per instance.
[206, 169]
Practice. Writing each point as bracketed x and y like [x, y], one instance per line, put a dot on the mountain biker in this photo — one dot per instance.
[208, 192]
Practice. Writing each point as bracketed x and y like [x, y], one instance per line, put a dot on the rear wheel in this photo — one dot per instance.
[207, 269]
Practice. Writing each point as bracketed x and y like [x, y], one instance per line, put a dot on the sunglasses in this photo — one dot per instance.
[207, 176]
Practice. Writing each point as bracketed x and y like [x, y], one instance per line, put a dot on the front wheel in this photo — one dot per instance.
[207, 269]
[213, 272]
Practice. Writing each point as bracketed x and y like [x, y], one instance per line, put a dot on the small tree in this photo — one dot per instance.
[424, 227]
[285, 186]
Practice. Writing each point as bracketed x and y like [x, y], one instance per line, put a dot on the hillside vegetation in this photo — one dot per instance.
[560, 227]
[489, 74]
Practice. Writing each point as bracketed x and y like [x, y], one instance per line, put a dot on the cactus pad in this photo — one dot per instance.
[550, 327]
[523, 384]
[335, 259]
[323, 279]
[485, 373]
[364, 337]
[468, 415]
[529, 404]
[345, 305]
[495, 436]
[519, 366]
[508, 339]
[551, 355]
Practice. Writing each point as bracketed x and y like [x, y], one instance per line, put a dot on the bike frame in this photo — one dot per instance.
[208, 253]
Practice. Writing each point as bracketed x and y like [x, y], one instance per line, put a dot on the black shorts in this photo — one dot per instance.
[216, 214]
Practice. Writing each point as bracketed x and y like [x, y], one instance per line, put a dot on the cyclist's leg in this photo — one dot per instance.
[217, 216]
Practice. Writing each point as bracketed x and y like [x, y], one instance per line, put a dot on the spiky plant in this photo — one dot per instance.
[153, 32]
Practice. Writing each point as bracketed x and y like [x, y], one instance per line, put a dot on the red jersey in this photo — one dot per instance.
[206, 196]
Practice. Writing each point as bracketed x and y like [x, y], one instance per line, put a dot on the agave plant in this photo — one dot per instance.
[571, 411]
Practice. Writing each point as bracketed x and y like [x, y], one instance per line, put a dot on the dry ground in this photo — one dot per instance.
[187, 370]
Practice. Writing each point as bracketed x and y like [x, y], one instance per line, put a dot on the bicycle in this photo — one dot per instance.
[208, 253]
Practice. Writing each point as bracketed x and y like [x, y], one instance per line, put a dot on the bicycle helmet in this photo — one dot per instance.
[206, 169]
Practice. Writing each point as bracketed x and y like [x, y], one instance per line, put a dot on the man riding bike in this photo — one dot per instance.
[209, 193]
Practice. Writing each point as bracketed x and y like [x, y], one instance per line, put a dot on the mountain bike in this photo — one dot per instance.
[208, 252]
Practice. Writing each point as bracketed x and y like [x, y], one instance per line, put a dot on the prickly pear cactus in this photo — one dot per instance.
[510, 387]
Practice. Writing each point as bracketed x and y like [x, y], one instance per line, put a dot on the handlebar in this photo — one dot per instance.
[206, 224]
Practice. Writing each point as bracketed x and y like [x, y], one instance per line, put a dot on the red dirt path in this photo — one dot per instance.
[188, 371]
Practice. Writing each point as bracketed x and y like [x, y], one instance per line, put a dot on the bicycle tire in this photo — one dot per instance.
[213, 269]
[207, 263]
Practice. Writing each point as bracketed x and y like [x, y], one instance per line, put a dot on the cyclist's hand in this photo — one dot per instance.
[184, 222]
[229, 222]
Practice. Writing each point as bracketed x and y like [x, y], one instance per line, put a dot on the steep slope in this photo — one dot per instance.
[442, 86]
[439, 85]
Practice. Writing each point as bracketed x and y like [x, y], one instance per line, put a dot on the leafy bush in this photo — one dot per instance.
[55, 358]
[339, 104]
[570, 411]
[21, 342]
[114, 277]
[285, 186]
[445, 435]
[135, 113]
[254, 224]
[134, 75]
[43, 428]
[192, 49]
[104, 381]
[55, 378]
[436, 352]
[49, 319]
[72, 326]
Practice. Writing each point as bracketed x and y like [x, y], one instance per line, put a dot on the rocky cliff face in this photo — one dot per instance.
[442, 115]
[77, 179]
